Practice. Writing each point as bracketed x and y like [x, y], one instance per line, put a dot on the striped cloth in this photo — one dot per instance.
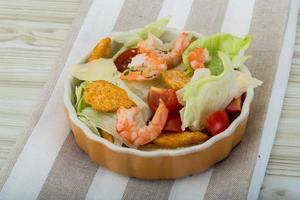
[49, 164]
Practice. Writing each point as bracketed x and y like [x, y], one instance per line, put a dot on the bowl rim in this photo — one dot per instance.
[159, 152]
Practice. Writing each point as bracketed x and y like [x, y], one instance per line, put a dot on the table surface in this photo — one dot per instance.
[32, 33]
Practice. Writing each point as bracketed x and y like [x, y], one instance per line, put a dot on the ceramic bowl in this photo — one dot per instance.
[161, 163]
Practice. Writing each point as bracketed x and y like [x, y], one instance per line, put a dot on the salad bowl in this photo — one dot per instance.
[157, 163]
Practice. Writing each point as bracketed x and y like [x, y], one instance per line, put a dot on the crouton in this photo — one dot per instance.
[175, 79]
[101, 50]
[175, 140]
[104, 96]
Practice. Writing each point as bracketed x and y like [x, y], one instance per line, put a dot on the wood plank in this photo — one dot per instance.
[280, 187]
[282, 179]
[31, 36]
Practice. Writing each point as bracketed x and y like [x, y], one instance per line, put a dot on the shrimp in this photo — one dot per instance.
[174, 56]
[155, 61]
[198, 57]
[147, 45]
[129, 130]
[181, 43]
[152, 67]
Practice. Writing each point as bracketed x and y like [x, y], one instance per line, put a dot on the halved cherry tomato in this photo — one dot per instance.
[235, 105]
[234, 108]
[167, 95]
[124, 59]
[217, 122]
[173, 123]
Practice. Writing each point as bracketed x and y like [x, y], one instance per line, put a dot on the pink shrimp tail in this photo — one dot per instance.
[155, 126]
[181, 43]
[129, 130]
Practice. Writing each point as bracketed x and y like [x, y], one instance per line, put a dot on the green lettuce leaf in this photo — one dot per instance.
[80, 103]
[90, 124]
[227, 43]
[131, 38]
[103, 121]
[102, 69]
[212, 93]
[156, 28]
[105, 69]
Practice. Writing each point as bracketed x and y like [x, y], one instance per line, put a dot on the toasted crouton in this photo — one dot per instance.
[104, 96]
[101, 50]
[175, 79]
[175, 140]
[107, 136]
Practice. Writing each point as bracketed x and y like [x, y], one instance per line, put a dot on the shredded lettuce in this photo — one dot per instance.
[212, 93]
[131, 38]
[227, 43]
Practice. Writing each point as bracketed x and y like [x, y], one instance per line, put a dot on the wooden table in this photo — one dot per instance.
[31, 37]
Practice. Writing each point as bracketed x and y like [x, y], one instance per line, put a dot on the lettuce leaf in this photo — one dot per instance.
[233, 46]
[156, 28]
[104, 121]
[80, 103]
[100, 69]
[90, 124]
[212, 93]
[131, 38]
[105, 69]
[80, 106]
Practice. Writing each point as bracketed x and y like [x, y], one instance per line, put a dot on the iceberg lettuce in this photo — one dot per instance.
[227, 43]
[90, 124]
[102, 69]
[212, 93]
[92, 118]
[131, 38]
[81, 106]
[105, 69]
[156, 28]
[80, 103]
[105, 121]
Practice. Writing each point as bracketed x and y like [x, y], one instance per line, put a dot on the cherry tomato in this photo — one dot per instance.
[173, 123]
[124, 59]
[235, 105]
[217, 122]
[167, 95]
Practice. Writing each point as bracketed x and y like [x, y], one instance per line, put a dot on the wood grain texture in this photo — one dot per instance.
[31, 36]
[282, 179]
[32, 33]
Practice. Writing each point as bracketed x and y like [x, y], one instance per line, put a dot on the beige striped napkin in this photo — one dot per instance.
[49, 164]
